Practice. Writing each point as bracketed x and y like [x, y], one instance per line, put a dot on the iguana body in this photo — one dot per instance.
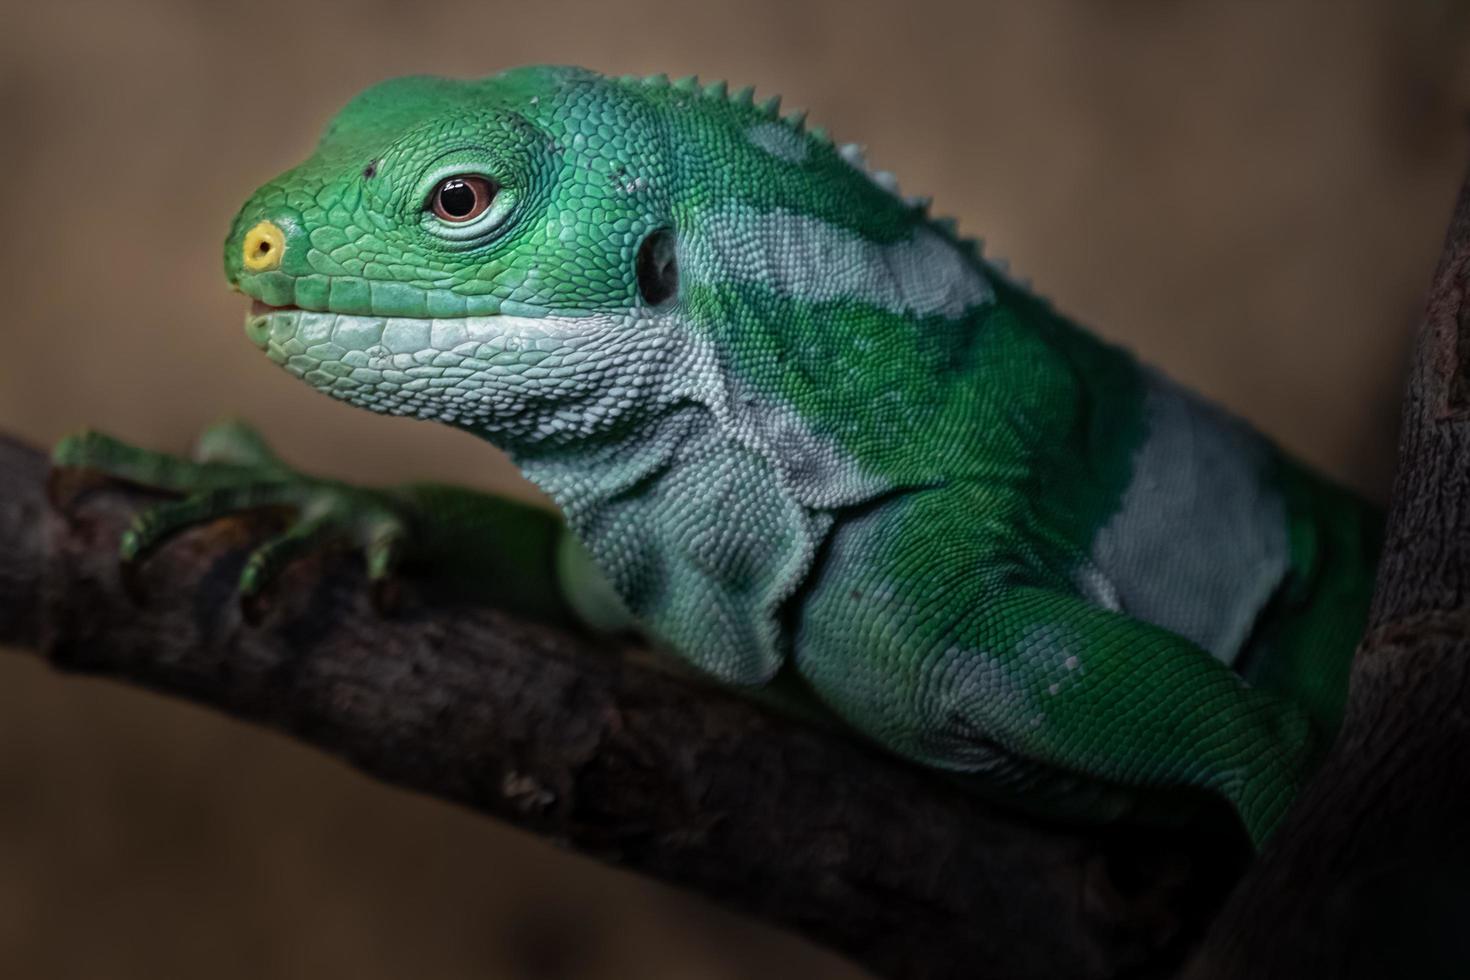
[792, 420]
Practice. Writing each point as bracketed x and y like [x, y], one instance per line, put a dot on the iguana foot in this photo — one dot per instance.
[233, 471]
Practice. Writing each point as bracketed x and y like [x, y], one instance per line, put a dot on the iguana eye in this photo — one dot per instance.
[462, 198]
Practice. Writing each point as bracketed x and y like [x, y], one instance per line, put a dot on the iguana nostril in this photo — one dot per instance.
[263, 247]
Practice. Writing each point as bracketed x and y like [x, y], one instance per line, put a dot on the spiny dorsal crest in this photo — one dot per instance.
[853, 153]
[720, 92]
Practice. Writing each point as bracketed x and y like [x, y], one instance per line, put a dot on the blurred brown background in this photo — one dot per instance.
[1251, 195]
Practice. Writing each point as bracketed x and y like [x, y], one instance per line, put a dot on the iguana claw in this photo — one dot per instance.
[235, 472]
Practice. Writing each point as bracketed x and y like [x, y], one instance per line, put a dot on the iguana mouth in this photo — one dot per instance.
[484, 371]
[261, 308]
[289, 331]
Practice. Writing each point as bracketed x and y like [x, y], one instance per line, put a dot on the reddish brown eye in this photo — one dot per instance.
[463, 198]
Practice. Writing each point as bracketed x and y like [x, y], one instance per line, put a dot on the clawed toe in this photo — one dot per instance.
[101, 453]
[236, 472]
[264, 565]
[235, 443]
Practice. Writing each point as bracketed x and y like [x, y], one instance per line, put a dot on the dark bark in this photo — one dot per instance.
[607, 750]
[1370, 874]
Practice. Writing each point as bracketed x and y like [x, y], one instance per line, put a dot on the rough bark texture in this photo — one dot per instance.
[1370, 875]
[607, 750]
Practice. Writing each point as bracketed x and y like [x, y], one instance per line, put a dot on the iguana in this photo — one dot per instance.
[793, 424]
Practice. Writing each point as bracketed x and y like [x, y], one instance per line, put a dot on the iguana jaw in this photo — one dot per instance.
[263, 312]
[516, 380]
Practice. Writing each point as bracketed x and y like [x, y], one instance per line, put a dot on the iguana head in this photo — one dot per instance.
[460, 250]
[549, 254]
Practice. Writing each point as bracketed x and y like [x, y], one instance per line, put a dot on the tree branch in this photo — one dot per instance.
[605, 749]
[1370, 874]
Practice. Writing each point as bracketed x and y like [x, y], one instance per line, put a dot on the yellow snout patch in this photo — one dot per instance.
[264, 246]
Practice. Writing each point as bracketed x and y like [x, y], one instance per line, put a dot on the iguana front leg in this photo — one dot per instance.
[476, 544]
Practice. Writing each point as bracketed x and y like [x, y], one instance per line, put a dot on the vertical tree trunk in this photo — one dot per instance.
[1370, 874]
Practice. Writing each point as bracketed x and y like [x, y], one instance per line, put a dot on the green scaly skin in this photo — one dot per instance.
[792, 421]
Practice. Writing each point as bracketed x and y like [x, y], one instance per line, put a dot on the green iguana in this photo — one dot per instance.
[791, 422]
